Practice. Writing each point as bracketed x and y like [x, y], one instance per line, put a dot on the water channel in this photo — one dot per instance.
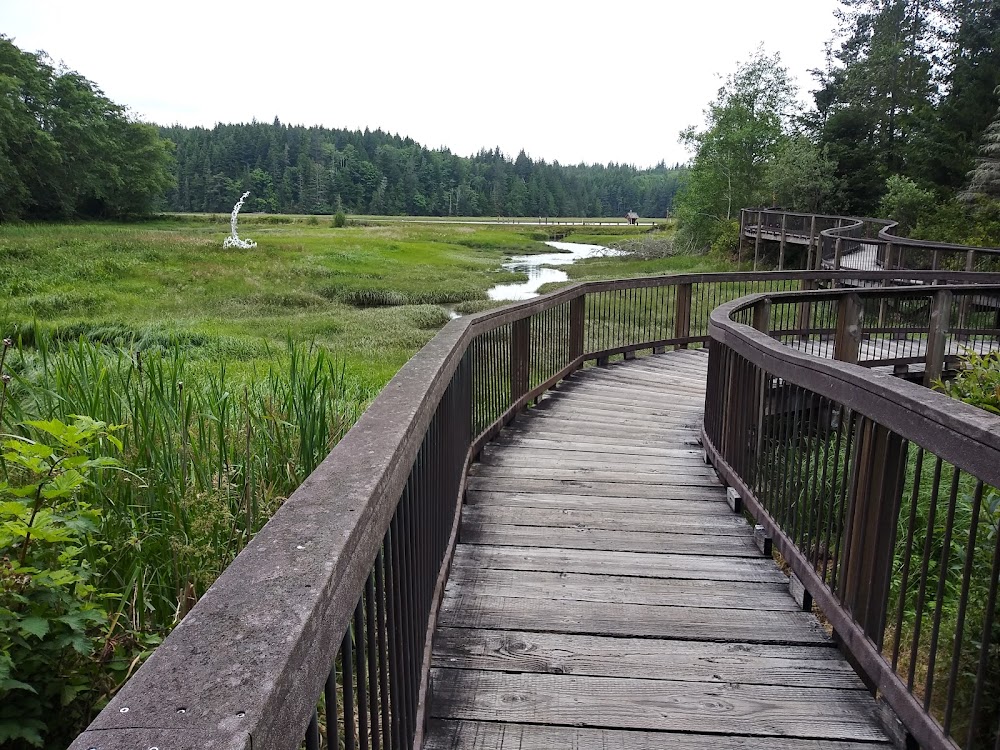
[540, 268]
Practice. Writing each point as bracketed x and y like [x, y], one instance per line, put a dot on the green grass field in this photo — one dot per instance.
[370, 294]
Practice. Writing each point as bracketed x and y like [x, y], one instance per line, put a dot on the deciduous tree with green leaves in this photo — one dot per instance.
[744, 129]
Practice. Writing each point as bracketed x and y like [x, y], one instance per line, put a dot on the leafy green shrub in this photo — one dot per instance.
[905, 202]
[339, 220]
[52, 623]
[728, 238]
[979, 383]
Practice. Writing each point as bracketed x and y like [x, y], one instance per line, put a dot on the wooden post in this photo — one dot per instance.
[520, 352]
[937, 335]
[682, 314]
[970, 260]
[847, 344]
[781, 246]
[805, 309]
[762, 316]
[873, 505]
[577, 313]
[810, 249]
[756, 244]
[743, 229]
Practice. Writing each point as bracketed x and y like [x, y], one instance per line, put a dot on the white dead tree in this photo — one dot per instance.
[233, 240]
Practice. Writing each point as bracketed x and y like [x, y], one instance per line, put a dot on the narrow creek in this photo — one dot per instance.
[540, 268]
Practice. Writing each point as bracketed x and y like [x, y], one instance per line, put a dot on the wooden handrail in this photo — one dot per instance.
[883, 415]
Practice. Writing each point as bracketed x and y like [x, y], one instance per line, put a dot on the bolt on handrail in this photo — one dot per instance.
[323, 623]
[880, 494]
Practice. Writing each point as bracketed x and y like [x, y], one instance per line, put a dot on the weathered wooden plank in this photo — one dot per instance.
[632, 620]
[445, 734]
[696, 474]
[577, 412]
[651, 658]
[748, 710]
[717, 523]
[613, 438]
[519, 440]
[669, 435]
[577, 403]
[581, 487]
[627, 541]
[707, 503]
[659, 426]
[693, 387]
[588, 587]
[514, 455]
[635, 564]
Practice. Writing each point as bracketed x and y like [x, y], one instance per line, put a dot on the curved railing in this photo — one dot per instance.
[833, 242]
[881, 495]
[322, 625]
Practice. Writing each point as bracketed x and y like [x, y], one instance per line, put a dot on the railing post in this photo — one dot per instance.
[682, 315]
[873, 507]
[781, 246]
[762, 316]
[577, 312]
[937, 335]
[970, 260]
[756, 244]
[810, 249]
[847, 344]
[805, 309]
[743, 229]
[520, 352]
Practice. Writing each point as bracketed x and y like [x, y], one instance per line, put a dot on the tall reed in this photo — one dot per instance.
[213, 456]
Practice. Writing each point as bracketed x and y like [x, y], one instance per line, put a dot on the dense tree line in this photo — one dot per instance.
[901, 121]
[297, 169]
[67, 150]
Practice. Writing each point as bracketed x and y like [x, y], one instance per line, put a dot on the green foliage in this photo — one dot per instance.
[53, 623]
[744, 130]
[978, 383]
[728, 238]
[909, 88]
[66, 150]
[339, 220]
[801, 176]
[905, 202]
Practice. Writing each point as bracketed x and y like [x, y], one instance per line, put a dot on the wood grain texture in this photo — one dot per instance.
[635, 564]
[649, 658]
[726, 708]
[591, 587]
[640, 620]
[446, 734]
[603, 539]
[709, 521]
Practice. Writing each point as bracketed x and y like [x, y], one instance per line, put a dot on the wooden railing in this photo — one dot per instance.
[881, 495]
[833, 242]
[319, 631]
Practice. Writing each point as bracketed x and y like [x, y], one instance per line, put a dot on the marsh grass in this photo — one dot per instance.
[210, 457]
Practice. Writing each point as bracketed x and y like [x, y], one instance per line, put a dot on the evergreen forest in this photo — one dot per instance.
[904, 124]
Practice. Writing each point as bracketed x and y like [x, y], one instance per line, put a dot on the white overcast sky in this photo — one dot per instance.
[569, 81]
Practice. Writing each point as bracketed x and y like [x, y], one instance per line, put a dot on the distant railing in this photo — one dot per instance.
[881, 495]
[320, 629]
[842, 242]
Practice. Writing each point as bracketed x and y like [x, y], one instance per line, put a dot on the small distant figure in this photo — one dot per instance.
[633, 217]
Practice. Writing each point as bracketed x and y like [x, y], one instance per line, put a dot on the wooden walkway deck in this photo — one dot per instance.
[603, 595]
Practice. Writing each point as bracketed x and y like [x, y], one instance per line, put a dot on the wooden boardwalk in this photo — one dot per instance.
[603, 595]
